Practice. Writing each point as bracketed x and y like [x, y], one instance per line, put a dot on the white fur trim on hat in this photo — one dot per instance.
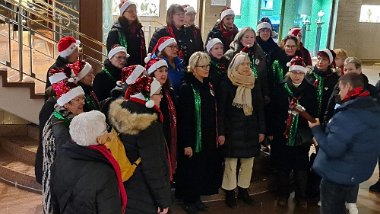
[263, 25]
[86, 69]
[211, 43]
[57, 77]
[328, 52]
[155, 86]
[228, 12]
[125, 6]
[136, 73]
[298, 68]
[189, 9]
[116, 50]
[86, 127]
[69, 50]
[166, 43]
[74, 92]
[157, 65]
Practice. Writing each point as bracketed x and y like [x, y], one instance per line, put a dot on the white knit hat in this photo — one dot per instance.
[125, 6]
[263, 25]
[116, 50]
[227, 12]
[212, 42]
[189, 9]
[86, 127]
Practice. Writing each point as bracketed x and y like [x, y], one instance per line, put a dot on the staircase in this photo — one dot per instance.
[18, 146]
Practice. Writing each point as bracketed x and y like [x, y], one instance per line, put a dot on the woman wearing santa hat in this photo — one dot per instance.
[218, 63]
[245, 41]
[138, 119]
[199, 164]
[127, 31]
[70, 102]
[241, 127]
[224, 29]
[167, 49]
[67, 53]
[106, 80]
[305, 54]
[175, 28]
[290, 134]
[84, 77]
[158, 68]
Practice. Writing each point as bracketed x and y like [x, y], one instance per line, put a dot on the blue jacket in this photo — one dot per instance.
[176, 75]
[350, 145]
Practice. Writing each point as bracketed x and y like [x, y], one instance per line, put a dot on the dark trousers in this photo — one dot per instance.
[333, 197]
[353, 195]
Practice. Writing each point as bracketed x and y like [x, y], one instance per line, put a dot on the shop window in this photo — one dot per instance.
[370, 13]
[193, 3]
[144, 8]
[236, 6]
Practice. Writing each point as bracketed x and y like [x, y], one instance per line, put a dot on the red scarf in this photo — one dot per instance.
[107, 154]
[228, 35]
[173, 131]
[171, 33]
[356, 92]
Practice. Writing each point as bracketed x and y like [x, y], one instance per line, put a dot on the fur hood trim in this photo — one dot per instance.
[127, 122]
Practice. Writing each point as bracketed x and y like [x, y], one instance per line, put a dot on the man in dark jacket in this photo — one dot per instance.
[349, 146]
[376, 187]
[87, 179]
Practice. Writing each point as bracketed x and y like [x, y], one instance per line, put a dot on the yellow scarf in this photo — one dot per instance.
[243, 97]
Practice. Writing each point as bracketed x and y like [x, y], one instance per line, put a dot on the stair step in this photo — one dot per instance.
[17, 172]
[7, 130]
[34, 132]
[24, 148]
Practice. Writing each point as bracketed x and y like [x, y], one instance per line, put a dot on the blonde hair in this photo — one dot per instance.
[236, 61]
[354, 60]
[341, 53]
[195, 58]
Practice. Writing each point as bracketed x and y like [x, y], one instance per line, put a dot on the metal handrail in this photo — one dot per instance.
[60, 4]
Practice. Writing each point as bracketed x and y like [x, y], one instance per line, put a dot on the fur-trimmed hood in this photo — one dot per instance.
[126, 122]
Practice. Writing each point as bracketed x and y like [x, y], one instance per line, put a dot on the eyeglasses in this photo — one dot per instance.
[291, 46]
[204, 66]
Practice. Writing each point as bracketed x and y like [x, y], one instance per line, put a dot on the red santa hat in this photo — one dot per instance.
[124, 6]
[80, 69]
[263, 25]
[67, 45]
[130, 74]
[329, 53]
[211, 43]
[154, 64]
[297, 64]
[58, 74]
[65, 91]
[143, 89]
[226, 12]
[161, 44]
[116, 49]
[294, 31]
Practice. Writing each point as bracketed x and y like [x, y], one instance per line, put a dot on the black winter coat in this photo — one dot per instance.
[134, 37]
[258, 60]
[217, 73]
[91, 101]
[149, 186]
[201, 173]
[241, 132]
[279, 108]
[185, 41]
[215, 32]
[330, 79]
[104, 83]
[198, 37]
[84, 182]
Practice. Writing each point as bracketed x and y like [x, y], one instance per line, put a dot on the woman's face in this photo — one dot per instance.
[217, 51]
[189, 19]
[201, 70]
[248, 39]
[290, 47]
[297, 76]
[339, 61]
[350, 68]
[323, 63]
[245, 67]
[75, 106]
[161, 74]
[130, 13]
[89, 78]
[265, 34]
[119, 60]
[171, 51]
[179, 19]
[228, 21]
[73, 56]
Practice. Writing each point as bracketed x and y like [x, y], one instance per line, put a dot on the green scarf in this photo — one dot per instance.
[197, 108]
[253, 67]
[292, 121]
[319, 83]
[122, 39]
[60, 117]
[278, 72]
